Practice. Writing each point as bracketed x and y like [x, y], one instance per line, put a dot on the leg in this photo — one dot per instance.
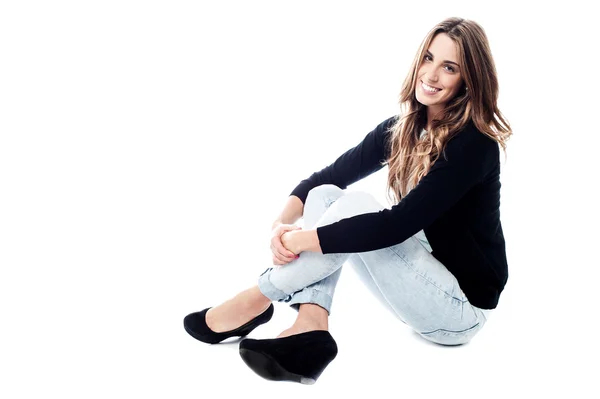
[251, 302]
[366, 278]
[420, 291]
[302, 352]
[312, 277]
[313, 303]
[237, 311]
[415, 285]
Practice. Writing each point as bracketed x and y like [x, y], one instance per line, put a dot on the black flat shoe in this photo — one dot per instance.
[298, 358]
[195, 325]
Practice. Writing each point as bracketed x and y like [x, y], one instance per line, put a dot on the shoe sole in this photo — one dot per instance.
[268, 368]
[203, 339]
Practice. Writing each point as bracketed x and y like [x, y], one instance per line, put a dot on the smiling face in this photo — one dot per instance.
[440, 69]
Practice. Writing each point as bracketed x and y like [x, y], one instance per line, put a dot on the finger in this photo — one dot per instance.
[279, 262]
[285, 252]
[276, 261]
[283, 258]
[281, 249]
[279, 256]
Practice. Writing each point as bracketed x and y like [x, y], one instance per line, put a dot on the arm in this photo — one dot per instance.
[353, 165]
[292, 211]
[299, 241]
[469, 158]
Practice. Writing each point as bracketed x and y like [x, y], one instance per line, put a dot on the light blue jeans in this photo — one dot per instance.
[405, 277]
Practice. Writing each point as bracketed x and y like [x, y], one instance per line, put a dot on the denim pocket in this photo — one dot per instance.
[451, 338]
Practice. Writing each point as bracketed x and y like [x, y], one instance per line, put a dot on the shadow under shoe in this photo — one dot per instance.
[298, 358]
[195, 325]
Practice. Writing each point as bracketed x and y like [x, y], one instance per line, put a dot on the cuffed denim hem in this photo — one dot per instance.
[269, 290]
[310, 295]
[306, 295]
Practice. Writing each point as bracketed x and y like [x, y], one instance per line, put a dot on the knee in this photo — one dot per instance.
[356, 203]
[323, 192]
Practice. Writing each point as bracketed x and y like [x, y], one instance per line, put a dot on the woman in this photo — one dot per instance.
[436, 259]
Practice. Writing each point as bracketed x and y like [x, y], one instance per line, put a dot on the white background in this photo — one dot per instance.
[146, 147]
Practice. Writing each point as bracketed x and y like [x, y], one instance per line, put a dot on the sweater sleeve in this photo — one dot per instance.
[353, 165]
[444, 185]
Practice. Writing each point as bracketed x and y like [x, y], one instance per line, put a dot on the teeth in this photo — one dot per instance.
[429, 88]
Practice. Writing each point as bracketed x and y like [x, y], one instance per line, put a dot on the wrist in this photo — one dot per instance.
[309, 240]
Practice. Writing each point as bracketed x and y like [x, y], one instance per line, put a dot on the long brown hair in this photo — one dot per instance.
[411, 157]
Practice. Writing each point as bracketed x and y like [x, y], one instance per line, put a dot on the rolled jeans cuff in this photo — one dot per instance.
[306, 295]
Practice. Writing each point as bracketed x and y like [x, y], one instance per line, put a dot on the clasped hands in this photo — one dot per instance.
[288, 241]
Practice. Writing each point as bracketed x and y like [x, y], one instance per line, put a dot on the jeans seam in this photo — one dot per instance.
[451, 331]
[423, 277]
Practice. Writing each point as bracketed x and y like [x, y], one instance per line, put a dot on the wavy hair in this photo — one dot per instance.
[410, 156]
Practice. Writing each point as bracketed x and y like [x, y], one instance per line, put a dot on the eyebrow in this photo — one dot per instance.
[447, 61]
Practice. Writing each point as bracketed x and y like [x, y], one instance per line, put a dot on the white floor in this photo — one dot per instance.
[120, 334]
[515, 354]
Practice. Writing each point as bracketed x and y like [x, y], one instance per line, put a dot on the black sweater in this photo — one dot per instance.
[457, 205]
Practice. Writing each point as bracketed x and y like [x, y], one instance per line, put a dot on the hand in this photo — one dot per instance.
[281, 254]
[290, 241]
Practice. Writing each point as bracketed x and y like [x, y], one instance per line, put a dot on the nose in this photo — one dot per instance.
[432, 77]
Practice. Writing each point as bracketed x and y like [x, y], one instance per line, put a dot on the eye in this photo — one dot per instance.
[451, 68]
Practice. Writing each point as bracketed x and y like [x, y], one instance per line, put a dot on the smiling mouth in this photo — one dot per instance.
[428, 88]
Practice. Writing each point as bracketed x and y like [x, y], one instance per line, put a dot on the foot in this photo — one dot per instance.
[298, 358]
[237, 311]
[303, 326]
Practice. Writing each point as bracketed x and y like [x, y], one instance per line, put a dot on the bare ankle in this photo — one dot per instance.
[314, 315]
[254, 299]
